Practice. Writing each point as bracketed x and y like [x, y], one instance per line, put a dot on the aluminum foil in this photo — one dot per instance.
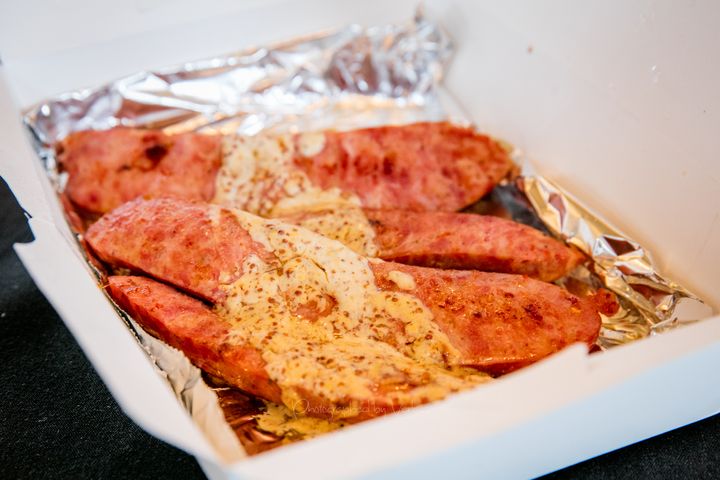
[346, 78]
[649, 302]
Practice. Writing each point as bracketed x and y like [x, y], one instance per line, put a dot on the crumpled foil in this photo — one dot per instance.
[347, 78]
[342, 79]
[649, 302]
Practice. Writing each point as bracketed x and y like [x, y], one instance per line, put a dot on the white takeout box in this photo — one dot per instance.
[615, 101]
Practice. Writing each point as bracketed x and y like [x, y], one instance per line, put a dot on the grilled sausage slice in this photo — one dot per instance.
[445, 240]
[423, 166]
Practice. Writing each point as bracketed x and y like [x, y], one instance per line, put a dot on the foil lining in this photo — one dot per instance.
[649, 302]
[346, 78]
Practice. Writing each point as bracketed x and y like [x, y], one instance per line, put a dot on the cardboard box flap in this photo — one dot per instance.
[18, 162]
[107, 342]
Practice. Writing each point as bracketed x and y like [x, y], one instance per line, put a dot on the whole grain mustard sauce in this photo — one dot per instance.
[258, 175]
[362, 337]
[288, 425]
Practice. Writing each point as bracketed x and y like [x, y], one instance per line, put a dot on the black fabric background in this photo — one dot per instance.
[60, 422]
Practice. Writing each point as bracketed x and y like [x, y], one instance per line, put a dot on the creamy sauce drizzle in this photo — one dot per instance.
[258, 175]
[256, 172]
[356, 338]
[350, 226]
[283, 422]
[403, 280]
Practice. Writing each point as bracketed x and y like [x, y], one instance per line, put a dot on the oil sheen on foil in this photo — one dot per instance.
[347, 78]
